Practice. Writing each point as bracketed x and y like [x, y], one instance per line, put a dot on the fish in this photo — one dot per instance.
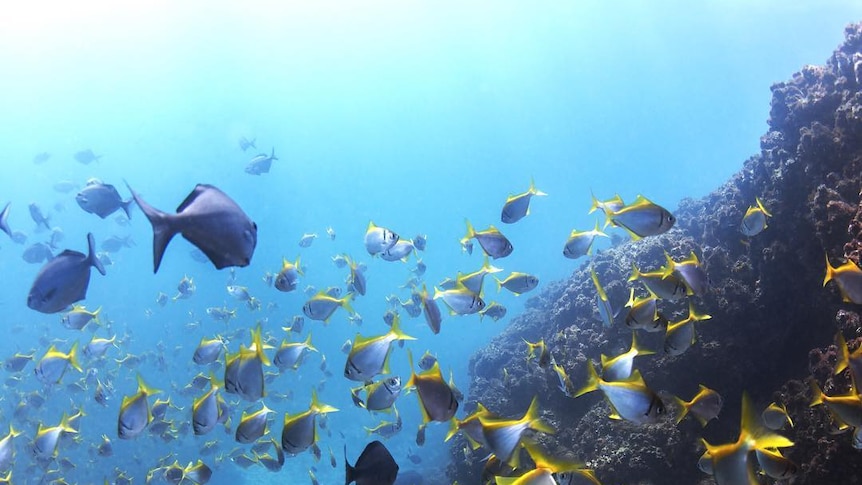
[306, 240]
[135, 412]
[261, 163]
[607, 207]
[375, 466]
[291, 354]
[321, 306]
[580, 243]
[53, 364]
[420, 268]
[41, 158]
[437, 402]
[730, 463]
[243, 373]
[299, 431]
[86, 156]
[379, 239]
[205, 409]
[603, 305]
[399, 251]
[493, 310]
[208, 219]
[97, 347]
[460, 300]
[433, 317]
[346, 346]
[848, 277]
[78, 317]
[199, 473]
[775, 417]
[17, 362]
[46, 440]
[538, 351]
[380, 395]
[252, 426]
[642, 218]
[240, 293]
[503, 436]
[704, 406]
[565, 385]
[420, 242]
[208, 350]
[846, 408]
[4, 220]
[331, 233]
[7, 450]
[619, 368]
[102, 199]
[643, 313]
[518, 283]
[186, 288]
[549, 471]
[690, 272]
[666, 286]
[754, 220]
[518, 206]
[427, 360]
[630, 399]
[245, 143]
[775, 465]
[369, 356]
[387, 429]
[37, 253]
[680, 335]
[223, 314]
[114, 244]
[288, 277]
[38, 217]
[492, 241]
[356, 280]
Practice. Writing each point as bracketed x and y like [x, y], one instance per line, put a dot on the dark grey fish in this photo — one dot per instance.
[19, 237]
[87, 156]
[114, 243]
[102, 199]
[375, 466]
[38, 253]
[38, 217]
[261, 163]
[41, 158]
[4, 223]
[210, 220]
[245, 143]
[64, 280]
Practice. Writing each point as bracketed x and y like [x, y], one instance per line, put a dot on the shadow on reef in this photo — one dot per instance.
[772, 320]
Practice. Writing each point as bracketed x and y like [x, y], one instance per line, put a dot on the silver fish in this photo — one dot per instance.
[102, 199]
[260, 163]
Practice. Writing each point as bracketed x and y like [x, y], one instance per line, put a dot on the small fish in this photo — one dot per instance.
[518, 283]
[38, 217]
[223, 314]
[494, 310]
[420, 242]
[346, 346]
[705, 406]
[427, 360]
[340, 260]
[186, 288]
[243, 373]
[369, 356]
[41, 158]
[287, 278]
[619, 368]
[460, 300]
[210, 220]
[331, 233]
[375, 466]
[420, 267]
[380, 395]
[580, 243]
[603, 305]
[86, 156]
[113, 244]
[240, 293]
[135, 411]
[565, 385]
[690, 272]
[261, 163]
[17, 362]
[680, 335]
[208, 350]
[321, 306]
[643, 313]
[105, 448]
[754, 220]
[848, 277]
[245, 143]
[518, 206]
[104, 258]
[492, 241]
[475, 280]
[296, 325]
[437, 401]
[306, 240]
[205, 410]
[37, 253]
[775, 417]
[300, 431]
[356, 280]
[102, 199]
[54, 363]
[18, 237]
[78, 317]
[399, 251]
[387, 429]
[291, 354]
[642, 218]
[431, 311]
[538, 351]
[630, 399]
[97, 347]
[379, 239]
[665, 286]
[503, 436]
[46, 440]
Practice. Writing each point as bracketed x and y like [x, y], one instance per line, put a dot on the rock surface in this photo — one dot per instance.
[772, 321]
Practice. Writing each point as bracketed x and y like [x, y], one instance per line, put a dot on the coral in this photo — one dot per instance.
[771, 316]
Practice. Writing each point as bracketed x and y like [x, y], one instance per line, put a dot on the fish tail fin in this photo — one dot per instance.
[533, 190]
[73, 358]
[499, 284]
[91, 255]
[13, 432]
[533, 419]
[453, 429]
[299, 269]
[636, 273]
[345, 303]
[697, 317]
[471, 232]
[318, 406]
[830, 271]
[308, 345]
[163, 228]
[272, 155]
[843, 353]
[752, 426]
[396, 330]
[762, 209]
[594, 203]
[592, 381]
[669, 266]
[412, 381]
[683, 406]
[639, 349]
[126, 205]
[144, 388]
[598, 232]
[257, 340]
[66, 424]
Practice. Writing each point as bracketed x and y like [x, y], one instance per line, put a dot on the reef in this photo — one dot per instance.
[773, 323]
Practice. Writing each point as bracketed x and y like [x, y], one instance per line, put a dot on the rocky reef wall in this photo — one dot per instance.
[772, 321]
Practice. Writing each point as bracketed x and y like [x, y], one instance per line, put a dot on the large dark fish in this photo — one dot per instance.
[64, 280]
[375, 466]
[102, 199]
[210, 220]
[87, 156]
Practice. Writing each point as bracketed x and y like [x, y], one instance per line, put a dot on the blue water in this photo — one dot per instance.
[413, 115]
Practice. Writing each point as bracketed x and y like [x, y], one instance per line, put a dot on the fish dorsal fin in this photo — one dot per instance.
[190, 199]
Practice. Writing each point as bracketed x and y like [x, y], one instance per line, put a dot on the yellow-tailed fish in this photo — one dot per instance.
[299, 431]
[387, 429]
[54, 363]
[7, 450]
[252, 426]
[754, 220]
[538, 351]
[580, 243]
[690, 272]
[775, 416]
[198, 472]
[208, 350]
[846, 408]
[380, 395]
[846, 360]
[550, 471]
[680, 335]
[356, 280]
[78, 317]
[399, 251]
[775, 465]
[205, 409]
[630, 399]
[607, 207]
[436, 399]
[642, 218]
[643, 313]
[17, 362]
[705, 406]
[665, 286]
[518, 206]
[565, 384]
[518, 283]
[493, 242]
[379, 239]
[431, 311]
[369, 356]
[730, 463]
[471, 426]
[619, 368]
[287, 278]
[98, 346]
[321, 306]
[503, 436]
[243, 373]
[473, 281]
[135, 412]
[494, 311]
[45, 442]
[603, 305]
[460, 300]
[848, 277]
[291, 354]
